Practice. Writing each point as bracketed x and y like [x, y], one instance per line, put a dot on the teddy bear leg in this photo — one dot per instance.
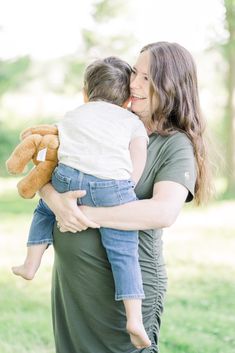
[37, 178]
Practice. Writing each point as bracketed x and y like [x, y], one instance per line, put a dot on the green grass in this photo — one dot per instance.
[25, 319]
[25, 323]
[200, 306]
[199, 315]
[199, 309]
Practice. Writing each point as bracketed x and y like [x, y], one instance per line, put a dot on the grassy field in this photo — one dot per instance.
[200, 307]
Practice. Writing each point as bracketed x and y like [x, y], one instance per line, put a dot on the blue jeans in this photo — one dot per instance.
[121, 246]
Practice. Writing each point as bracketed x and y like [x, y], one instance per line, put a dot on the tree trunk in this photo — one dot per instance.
[230, 107]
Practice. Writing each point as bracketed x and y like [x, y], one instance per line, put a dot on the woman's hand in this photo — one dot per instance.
[68, 215]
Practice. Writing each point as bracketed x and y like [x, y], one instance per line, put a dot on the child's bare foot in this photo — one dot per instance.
[138, 335]
[31, 263]
[25, 271]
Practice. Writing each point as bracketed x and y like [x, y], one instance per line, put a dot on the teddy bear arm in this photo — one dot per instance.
[37, 178]
[22, 154]
[41, 130]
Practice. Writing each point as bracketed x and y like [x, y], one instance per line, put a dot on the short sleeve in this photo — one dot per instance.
[178, 163]
[139, 131]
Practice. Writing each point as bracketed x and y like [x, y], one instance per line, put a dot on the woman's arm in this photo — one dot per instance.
[158, 212]
[65, 208]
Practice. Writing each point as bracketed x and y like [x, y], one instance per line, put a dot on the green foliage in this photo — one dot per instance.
[12, 204]
[230, 106]
[12, 73]
[73, 80]
[229, 193]
[97, 43]
[9, 138]
[106, 9]
[90, 39]
[224, 129]
[230, 14]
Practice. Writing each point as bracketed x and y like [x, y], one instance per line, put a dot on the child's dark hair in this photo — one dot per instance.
[108, 80]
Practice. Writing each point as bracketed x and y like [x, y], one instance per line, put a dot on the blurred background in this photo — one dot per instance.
[45, 46]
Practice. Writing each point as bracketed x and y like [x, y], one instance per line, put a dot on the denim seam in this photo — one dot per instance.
[129, 296]
[80, 181]
[121, 198]
[46, 241]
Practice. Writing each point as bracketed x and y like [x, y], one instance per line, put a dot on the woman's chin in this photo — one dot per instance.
[135, 109]
[138, 109]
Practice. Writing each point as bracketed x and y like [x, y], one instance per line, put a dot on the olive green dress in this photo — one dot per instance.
[86, 318]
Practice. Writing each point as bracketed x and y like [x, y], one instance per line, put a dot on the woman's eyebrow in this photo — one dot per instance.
[143, 73]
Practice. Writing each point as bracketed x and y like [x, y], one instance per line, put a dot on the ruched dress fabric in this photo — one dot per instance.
[86, 317]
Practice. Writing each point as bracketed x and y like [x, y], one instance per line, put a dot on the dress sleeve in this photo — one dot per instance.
[178, 164]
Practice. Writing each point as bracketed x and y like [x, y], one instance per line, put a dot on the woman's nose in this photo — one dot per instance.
[134, 83]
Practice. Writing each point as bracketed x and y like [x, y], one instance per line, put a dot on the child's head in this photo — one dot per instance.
[108, 80]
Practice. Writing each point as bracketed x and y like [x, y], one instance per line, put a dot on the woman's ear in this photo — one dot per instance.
[85, 96]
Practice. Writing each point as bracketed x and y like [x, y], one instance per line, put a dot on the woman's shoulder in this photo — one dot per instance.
[173, 141]
[172, 137]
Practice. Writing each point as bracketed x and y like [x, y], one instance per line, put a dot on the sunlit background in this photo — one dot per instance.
[44, 48]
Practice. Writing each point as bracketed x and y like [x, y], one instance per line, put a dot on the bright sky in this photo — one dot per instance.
[47, 29]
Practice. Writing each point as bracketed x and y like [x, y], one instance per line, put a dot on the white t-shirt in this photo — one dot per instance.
[95, 137]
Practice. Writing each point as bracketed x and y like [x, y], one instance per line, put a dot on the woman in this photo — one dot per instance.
[86, 318]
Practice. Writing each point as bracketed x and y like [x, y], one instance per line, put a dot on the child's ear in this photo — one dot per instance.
[85, 97]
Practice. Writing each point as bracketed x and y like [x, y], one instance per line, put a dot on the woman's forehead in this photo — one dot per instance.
[142, 63]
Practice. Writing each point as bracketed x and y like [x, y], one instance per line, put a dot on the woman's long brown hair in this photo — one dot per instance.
[175, 104]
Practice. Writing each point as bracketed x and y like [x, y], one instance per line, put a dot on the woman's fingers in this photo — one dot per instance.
[70, 218]
[70, 229]
[77, 194]
[76, 223]
[82, 219]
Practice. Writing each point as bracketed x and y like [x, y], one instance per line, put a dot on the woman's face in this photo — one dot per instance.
[139, 87]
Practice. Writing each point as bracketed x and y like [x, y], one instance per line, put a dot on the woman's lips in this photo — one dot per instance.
[135, 98]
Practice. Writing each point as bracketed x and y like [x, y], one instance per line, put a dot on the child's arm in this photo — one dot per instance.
[138, 152]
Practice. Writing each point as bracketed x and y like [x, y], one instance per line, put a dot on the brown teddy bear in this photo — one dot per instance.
[39, 144]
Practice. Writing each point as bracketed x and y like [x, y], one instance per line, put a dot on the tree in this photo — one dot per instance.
[12, 76]
[230, 106]
[102, 39]
[12, 73]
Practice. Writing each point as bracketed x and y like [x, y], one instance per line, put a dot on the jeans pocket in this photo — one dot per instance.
[60, 182]
[105, 193]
